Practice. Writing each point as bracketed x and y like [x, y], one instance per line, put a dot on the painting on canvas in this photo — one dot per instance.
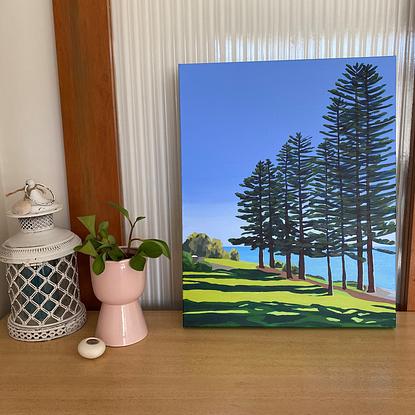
[289, 193]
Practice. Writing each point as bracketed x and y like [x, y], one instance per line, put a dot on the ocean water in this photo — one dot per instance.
[385, 266]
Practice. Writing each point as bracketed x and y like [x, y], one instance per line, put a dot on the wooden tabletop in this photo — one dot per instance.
[215, 371]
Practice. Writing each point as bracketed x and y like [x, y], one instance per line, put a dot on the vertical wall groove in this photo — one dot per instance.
[151, 37]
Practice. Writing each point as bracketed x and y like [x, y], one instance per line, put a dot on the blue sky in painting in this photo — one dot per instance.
[235, 114]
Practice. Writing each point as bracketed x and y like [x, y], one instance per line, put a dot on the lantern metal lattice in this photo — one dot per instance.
[42, 276]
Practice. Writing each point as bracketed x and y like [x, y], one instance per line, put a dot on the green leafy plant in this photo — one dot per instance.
[102, 246]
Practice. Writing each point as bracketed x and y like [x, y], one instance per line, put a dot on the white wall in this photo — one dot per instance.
[31, 144]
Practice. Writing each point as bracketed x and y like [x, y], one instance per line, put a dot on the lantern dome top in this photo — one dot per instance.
[38, 240]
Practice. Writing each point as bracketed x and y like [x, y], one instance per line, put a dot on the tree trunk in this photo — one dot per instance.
[370, 268]
[344, 283]
[359, 242]
[359, 271]
[271, 257]
[261, 258]
[288, 266]
[301, 266]
[330, 277]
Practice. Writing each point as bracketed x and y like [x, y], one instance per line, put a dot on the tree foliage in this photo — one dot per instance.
[271, 209]
[197, 244]
[335, 132]
[368, 159]
[251, 209]
[325, 236]
[300, 182]
[234, 254]
[336, 201]
[203, 246]
[285, 239]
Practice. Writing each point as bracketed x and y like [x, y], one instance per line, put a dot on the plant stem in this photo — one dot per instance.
[129, 239]
[130, 236]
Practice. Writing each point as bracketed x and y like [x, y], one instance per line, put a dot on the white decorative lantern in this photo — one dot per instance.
[42, 273]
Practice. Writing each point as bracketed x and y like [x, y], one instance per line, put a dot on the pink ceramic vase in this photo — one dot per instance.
[121, 320]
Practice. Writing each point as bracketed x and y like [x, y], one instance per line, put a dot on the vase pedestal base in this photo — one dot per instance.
[121, 325]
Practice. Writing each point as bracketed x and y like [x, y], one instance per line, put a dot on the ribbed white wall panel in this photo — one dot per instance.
[151, 37]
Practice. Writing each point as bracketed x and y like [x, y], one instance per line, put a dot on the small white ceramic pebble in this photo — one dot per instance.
[91, 347]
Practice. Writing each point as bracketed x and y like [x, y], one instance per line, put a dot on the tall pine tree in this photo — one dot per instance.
[299, 180]
[370, 188]
[349, 89]
[326, 239]
[336, 129]
[252, 210]
[379, 166]
[285, 240]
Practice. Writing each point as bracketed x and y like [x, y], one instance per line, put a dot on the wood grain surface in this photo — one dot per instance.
[83, 48]
[215, 371]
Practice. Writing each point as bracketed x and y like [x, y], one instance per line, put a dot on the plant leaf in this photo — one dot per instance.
[138, 262]
[89, 223]
[104, 246]
[164, 247]
[121, 209]
[150, 248]
[87, 248]
[111, 240]
[96, 244]
[98, 265]
[103, 229]
[116, 254]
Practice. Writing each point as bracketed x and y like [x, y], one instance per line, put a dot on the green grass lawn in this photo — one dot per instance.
[231, 263]
[245, 296]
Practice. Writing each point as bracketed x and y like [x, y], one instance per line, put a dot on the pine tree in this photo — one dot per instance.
[326, 240]
[285, 240]
[349, 89]
[299, 180]
[379, 166]
[370, 189]
[251, 210]
[271, 209]
[336, 129]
